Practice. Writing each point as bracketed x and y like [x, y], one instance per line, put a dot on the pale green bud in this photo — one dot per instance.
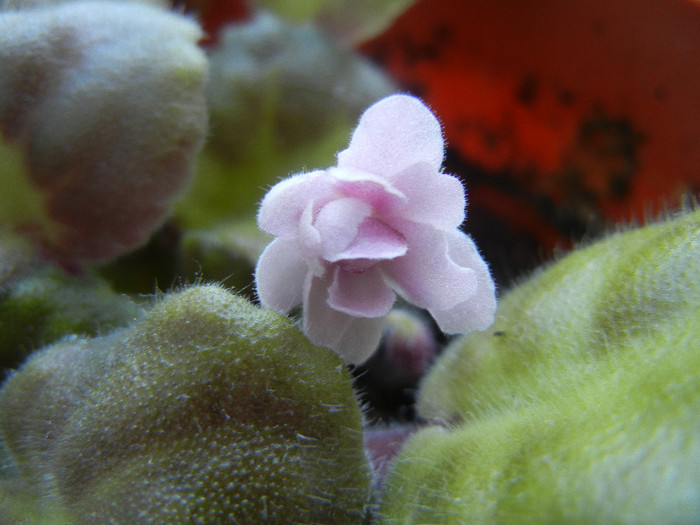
[580, 405]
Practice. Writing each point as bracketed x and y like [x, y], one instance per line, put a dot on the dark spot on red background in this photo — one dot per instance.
[527, 91]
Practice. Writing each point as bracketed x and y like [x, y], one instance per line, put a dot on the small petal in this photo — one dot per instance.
[393, 134]
[279, 276]
[309, 239]
[283, 205]
[322, 324]
[463, 251]
[433, 198]
[360, 340]
[476, 313]
[338, 223]
[375, 241]
[426, 276]
[360, 294]
[354, 339]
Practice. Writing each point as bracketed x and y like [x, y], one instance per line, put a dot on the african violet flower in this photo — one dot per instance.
[385, 220]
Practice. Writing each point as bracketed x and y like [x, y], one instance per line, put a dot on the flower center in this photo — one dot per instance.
[356, 265]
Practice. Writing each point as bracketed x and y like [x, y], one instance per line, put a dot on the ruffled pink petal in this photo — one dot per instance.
[283, 205]
[373, 189]
[309, 241]
[477, 312]
[354, 339]
[426, 276]
[433, 198]
[393, 134]
[280, 275]
[359, 340]
[322, 324]
[338, 222]
[374, 241]
[464, 252]
[360, 294]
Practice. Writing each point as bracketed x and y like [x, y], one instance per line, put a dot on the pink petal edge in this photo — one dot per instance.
[478, 312]
[374, 241]
[394, 133]
[360, 294]
[309, 241]
[338, 222]
[283, 205]
[426, 276]
[322, 325]
[279, 276]
[381, 194]
[434, 198]
[360, 340]
[354, 339]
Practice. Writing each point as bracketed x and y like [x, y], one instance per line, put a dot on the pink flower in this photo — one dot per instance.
[384, 221]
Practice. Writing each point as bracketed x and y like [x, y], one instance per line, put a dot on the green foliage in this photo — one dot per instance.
[579, 405]
[347, 21]
[21, 201]
[46, 304]
[207, 410]
[225, 254]
[282, 98]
